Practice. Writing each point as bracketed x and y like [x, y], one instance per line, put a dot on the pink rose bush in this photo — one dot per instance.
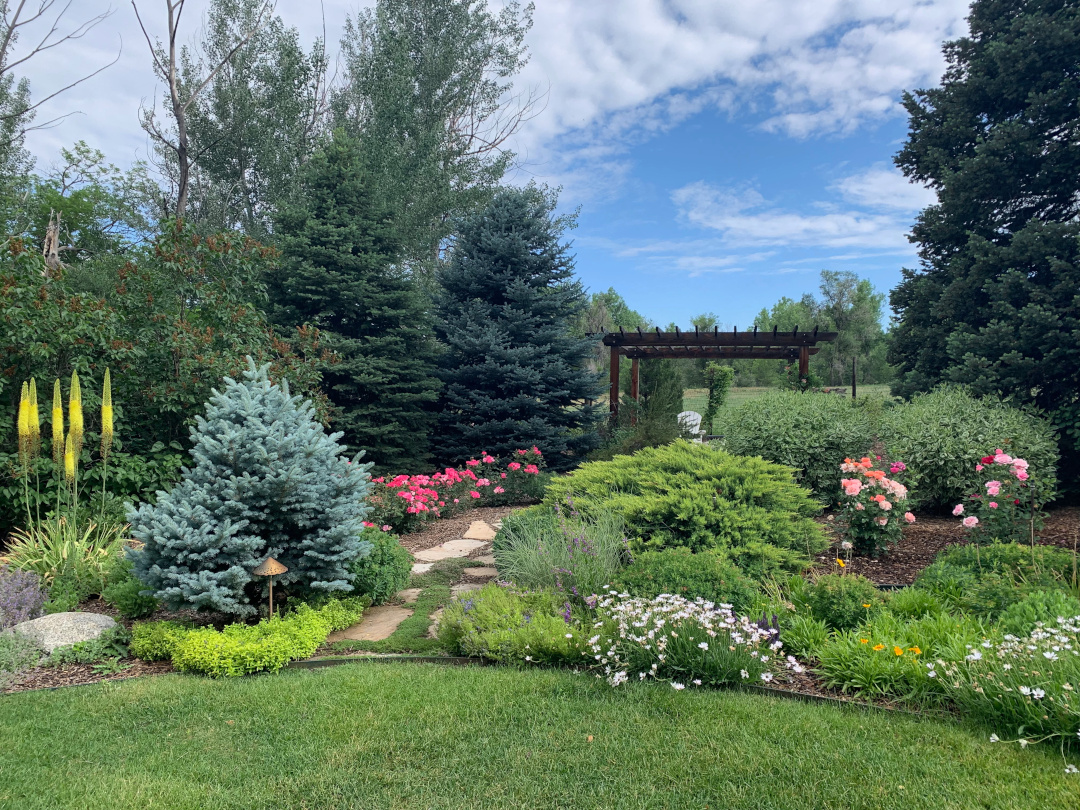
[405, 502]
[1006, 505]
[871, 504]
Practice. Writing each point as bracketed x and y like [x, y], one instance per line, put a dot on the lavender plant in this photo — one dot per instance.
[22, 596]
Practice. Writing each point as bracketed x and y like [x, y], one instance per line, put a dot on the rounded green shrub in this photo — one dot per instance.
[385, 570]
[914, 603]
[701, 497]
[942, 435]
[1021, 617]
[803, 636]
[843, 601]
[154, 641]
[813, 433]
[706, 575]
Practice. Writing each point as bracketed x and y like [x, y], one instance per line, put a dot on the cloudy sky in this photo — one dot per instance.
[722, 152]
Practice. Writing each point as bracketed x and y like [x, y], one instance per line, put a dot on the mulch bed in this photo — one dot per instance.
[81, 674]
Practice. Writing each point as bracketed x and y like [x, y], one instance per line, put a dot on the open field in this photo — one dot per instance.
[694, 399]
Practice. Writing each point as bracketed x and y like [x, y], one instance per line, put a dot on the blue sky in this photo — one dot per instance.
[721, 152]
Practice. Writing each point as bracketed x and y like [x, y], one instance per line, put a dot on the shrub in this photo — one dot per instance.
[154, 641]
[242, 649]
[17, 654]
[129, 596]
[804, 636]
[111, 644]
[384, 570]
[267, 481]
[1004, 507]
[872, 505]
[842, 602]
[78, 558]
[943, 434]
[558, 549]
[812, 433]
[21, 596]
[706, 575]
[1045, 607]
[914, 603]
[702, 498]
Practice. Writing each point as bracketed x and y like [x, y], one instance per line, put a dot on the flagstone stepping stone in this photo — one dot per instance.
[465, 587]
[452, 548]
[497, 524]
[485, 573]
[465, 545]
[479, 530]
[376, 624]
[487, 559]
[433, 629]
[422, 568]
[409, 595]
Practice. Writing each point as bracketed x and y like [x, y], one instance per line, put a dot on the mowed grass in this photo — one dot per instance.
[423, 736]
[695, 399]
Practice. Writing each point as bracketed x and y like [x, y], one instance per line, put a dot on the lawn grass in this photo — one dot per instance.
[695, 399]
[411, 634]
[423, 736]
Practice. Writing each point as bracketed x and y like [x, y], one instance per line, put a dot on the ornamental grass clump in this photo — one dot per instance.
[267, 481]
[872, 505]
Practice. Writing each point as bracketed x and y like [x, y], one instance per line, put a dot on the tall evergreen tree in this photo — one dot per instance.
[515, 375]
[996, 302]
[338, 274]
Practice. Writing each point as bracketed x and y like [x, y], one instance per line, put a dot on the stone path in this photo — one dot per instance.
[380, 622]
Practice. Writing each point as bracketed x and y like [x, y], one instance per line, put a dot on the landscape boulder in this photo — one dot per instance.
[64, 629]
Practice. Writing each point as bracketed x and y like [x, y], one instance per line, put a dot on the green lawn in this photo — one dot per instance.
[424, 736]
[695, 399]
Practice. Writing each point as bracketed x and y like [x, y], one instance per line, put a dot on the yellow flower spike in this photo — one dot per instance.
[879, 647]
[69, 460]
[57, 425]
[35, 421]
[898, 650]
[24, 425]
[106, 416]
[75, 415]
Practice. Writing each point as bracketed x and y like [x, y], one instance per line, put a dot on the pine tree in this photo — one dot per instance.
[267, 481]
[996, 302]
[514, 374]
[338, 274]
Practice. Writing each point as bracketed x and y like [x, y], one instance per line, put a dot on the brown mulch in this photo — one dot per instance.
[922, 540]
[439, 531]
[79, 674]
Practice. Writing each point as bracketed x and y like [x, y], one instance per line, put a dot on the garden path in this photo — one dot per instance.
[380, 622]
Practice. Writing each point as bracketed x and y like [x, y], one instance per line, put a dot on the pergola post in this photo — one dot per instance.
[613, 404]
[634, 389]
[804, 364]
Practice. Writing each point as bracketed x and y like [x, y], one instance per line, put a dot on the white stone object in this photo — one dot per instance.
[64, 629]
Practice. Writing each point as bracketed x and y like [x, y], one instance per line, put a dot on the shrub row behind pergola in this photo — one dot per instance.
[715, 345]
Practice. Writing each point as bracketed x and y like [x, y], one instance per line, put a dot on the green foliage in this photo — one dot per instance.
[79, 559]
[994, 304]
[384, 570]
[701, 497]
[545, 548]
[155, 641]
[914, 603]
[504, 625]
[513, 371]
[813, 433]
[706, 575]
[111, 644]
[942, 435]
[125, 593]
[804, 636]
[843, 601]
[652, 422]
[17, 654]
[339, 274]
[257, 445]
[718, 380]
[241, 649]
[1038, 607]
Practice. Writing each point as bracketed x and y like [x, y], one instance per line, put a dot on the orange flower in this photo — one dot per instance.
[898, 650]
[879, 647]
[865, 461]
[915, 650]
[866, 604]
[839, 562]
[864, 641]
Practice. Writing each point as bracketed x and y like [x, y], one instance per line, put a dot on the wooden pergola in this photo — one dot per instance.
[715, 345]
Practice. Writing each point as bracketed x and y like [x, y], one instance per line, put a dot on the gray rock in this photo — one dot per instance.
[64, 629]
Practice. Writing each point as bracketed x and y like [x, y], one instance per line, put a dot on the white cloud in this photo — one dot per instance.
[743, 217]
[884, 187]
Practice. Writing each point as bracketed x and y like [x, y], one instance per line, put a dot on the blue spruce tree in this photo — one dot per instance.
[267, 481]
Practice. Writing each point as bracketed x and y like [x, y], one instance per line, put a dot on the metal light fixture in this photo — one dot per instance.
[270, 568]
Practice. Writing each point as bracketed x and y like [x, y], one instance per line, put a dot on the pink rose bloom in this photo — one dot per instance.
[1002, 458]
[455, 500]
[489, 460]
[472, 462]
[513, 465]
[882, 521]
[910, 518]
[483, 482]
[1022, 475]
[387, 528]
[369, 525]
[885, 506]
[474, 494]
[498, 490]
[522, 452]
[1019, 462]
[532, 469]
[502, 475]
[536, 451]
[852, 486]
[971, 522]
[979, 468]
[859, 507]
[958, 509]
[992, 504]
